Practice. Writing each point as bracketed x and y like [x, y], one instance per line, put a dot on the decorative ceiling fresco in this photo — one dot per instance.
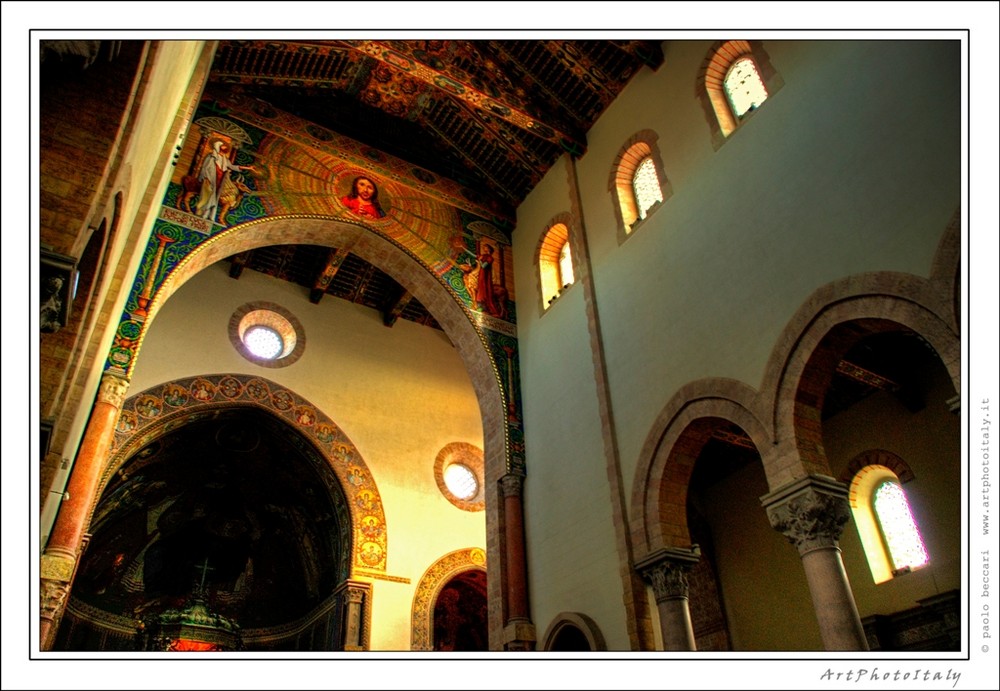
[488, 117]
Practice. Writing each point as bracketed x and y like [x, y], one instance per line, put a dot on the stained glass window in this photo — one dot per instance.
[646, 186]
[264, 342]
[906, 548]
[744, 86]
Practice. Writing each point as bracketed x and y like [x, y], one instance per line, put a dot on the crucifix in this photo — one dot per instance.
[205, 568]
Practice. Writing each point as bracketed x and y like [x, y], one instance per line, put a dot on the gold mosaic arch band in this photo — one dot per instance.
[149, 414]
[439, 573]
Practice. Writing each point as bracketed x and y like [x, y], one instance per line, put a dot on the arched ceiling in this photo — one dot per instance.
[227, 505]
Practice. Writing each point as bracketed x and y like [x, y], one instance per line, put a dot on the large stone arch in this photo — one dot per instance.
[835, 317]
[458, 323]
[148, 415]
[659, 489]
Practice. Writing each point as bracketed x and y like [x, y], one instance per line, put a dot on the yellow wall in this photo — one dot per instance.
[400, 394]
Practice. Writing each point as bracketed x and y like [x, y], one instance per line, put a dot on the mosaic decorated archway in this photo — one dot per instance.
[439, 573]
[156, 411]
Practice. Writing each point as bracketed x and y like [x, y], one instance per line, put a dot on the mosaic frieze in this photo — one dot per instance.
[147, 416]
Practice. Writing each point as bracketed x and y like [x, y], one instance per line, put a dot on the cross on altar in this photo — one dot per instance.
[205, 568]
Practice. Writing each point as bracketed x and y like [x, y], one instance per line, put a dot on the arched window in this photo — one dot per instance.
[744, 87]
[736, 77]
[899, 530]
[555, 263]
[886, 525]
[638, 182]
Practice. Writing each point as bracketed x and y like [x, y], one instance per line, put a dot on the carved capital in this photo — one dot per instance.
[53, 598]
[512, 485]
[811, 512]
[667, 569]
[354, 595]
[112, 390]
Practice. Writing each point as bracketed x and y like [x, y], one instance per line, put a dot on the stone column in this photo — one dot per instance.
[519, 632]
[66, 541]
[354, 606]
[666, 570]
[812, 512]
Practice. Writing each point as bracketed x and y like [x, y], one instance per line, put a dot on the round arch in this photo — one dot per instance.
[454, 318]
[659, 489]
[150, 414]
[435, 578]
[828, 324]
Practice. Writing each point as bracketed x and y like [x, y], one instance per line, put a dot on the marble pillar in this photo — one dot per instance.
[667, 570]
[812, 512]
[67, 539]
[519, 632]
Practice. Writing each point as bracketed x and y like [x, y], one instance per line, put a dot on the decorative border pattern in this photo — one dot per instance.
[439, 573]
[152, 413]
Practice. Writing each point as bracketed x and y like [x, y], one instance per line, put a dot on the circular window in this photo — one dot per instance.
[461, 481]
[266, 334]
[263, 341]
[458, 471]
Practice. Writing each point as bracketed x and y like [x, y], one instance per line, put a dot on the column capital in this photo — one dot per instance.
[810, 511]
[113, 389]
[355, 593]
[512, 485]
[53, 597]
[666, 570]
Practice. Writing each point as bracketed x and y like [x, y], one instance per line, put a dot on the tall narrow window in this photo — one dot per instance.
[902, 539]
[555, 263]
[638, 182]
[646, 186]
[744, 86]
[886, 526]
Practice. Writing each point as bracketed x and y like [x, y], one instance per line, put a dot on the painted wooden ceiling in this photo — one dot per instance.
[490, 115]
[493, 115]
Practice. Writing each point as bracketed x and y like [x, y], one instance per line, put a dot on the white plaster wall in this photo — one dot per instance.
[570, 533]
[853, 166]
[400, 394]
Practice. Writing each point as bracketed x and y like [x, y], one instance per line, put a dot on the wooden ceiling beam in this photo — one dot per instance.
[238, 262]
[511, 108]
[394, 308]
[649, 52]
[330, 268]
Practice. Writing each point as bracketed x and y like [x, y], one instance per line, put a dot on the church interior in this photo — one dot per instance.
[513, 344]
